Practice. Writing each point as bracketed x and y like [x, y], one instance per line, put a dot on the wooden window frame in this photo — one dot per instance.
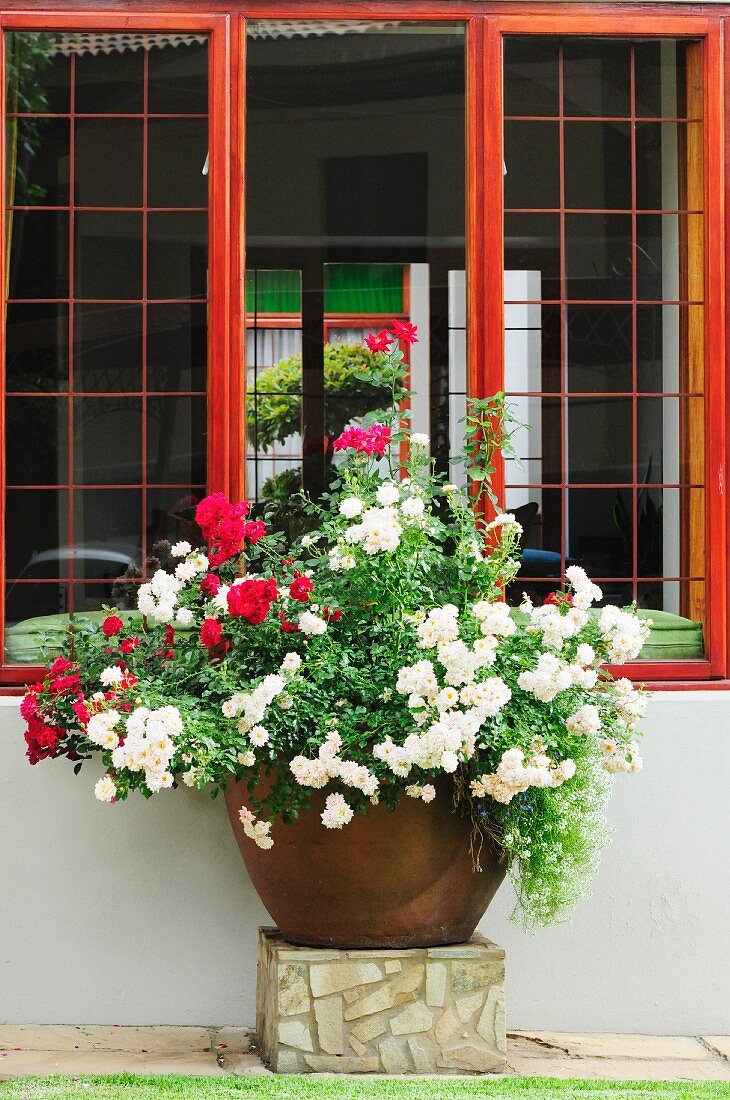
[486, 23]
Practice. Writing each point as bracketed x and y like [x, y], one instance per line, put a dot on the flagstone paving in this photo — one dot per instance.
[41, 1050]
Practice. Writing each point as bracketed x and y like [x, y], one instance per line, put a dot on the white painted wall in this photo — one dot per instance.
[142, 913]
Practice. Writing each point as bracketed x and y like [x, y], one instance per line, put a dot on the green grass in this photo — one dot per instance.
[130, 1087]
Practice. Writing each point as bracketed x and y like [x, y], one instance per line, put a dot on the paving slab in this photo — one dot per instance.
[720, 1043]
[27, 1063]
[166, 1039]
[623, 1069]
[610, 1045]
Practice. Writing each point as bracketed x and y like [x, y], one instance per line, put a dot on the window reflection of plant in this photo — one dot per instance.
[27, 55]
[274, 414]
[649, 526]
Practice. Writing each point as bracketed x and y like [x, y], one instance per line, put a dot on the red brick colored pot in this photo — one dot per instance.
[396, 880]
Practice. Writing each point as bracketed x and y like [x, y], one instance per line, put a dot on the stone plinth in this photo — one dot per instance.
[422, 1010]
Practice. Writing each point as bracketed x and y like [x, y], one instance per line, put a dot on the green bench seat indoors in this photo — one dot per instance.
[672, 638]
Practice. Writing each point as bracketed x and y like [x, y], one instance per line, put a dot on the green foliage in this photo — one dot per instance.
[390, 659]
[274, 403]
[129, 1086]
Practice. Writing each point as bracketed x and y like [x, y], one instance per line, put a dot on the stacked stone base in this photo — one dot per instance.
[422, 1010]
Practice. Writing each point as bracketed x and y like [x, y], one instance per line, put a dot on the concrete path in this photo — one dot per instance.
[210, 1051]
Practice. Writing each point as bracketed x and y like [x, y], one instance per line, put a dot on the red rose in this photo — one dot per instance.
[558, 598]
[62, 685]
[289, 628]
[42, 740]
[30, 706]
[300, 588]
[254, 530]
[61, 665]
[210, 584]
[380, 341]
[405, 331]
[252, 599]
[211, 633]
[332, 614]
[81, 711]
[128, 645]
[169, 634]
[112, 625]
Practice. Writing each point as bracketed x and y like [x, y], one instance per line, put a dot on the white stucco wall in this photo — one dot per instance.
[142, 913]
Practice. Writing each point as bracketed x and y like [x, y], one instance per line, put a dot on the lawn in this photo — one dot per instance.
[130, 1087]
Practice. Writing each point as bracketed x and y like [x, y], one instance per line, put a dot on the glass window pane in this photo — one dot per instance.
[597, 77]
[37, 73]
[598, 256]
[103, 346]
[109, 76]
[38, 258]
[176, 440]
[36, 347]
[107, 440]
[178, 78]
[531, 76]
[182, 142]
[177, 251]
[531, 257]
[108, 255]
[108, 162]
[599, 340]
[38, 519]
[625, 444]
[539, 511]
[372, 228]
[177, 346]
[107, 532]
[107, 348]
[41, 150]
[525, 144]
[45, 419]
[597, 165]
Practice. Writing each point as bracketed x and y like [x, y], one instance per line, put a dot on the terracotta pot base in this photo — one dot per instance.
[386, 880]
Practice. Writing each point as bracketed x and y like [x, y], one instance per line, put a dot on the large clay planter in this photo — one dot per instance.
[402, 879]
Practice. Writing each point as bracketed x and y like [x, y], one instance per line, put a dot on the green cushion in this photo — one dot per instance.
[672, 637]
[25, 640]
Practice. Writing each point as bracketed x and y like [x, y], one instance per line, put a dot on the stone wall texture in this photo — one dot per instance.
[422, 1010]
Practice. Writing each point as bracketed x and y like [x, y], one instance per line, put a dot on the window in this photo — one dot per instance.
[204, 215]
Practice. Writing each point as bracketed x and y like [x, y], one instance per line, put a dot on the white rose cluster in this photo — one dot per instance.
[629, 703]
[516, 772]
[157, 598]
[336, 812]
[552, 675]
[148, 745]
[311, 624]
[450, 716]
[377, 531]
[623, 632]
[250, 707]
[329, 765]
[193, 565]
[621, 758]
[426, 793]
[255, 830]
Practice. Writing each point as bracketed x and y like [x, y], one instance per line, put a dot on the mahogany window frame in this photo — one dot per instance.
[487, 23]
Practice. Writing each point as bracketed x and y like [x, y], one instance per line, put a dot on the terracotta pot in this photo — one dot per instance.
[404, 879]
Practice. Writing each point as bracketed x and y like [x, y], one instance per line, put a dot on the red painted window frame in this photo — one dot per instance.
[486, 23]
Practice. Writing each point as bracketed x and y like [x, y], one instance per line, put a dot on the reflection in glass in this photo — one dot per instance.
[630, 323]
[45, 419]
[599, 342]
[36, 347]
[527, 143]
[108, 255]
[531, 76]
[107, 348]
[108, 162]
[104, 346]
[370, 228]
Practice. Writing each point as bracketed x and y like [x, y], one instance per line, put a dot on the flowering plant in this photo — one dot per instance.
[371, 656]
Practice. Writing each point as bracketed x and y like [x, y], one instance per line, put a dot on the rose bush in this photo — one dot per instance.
[368, 658]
